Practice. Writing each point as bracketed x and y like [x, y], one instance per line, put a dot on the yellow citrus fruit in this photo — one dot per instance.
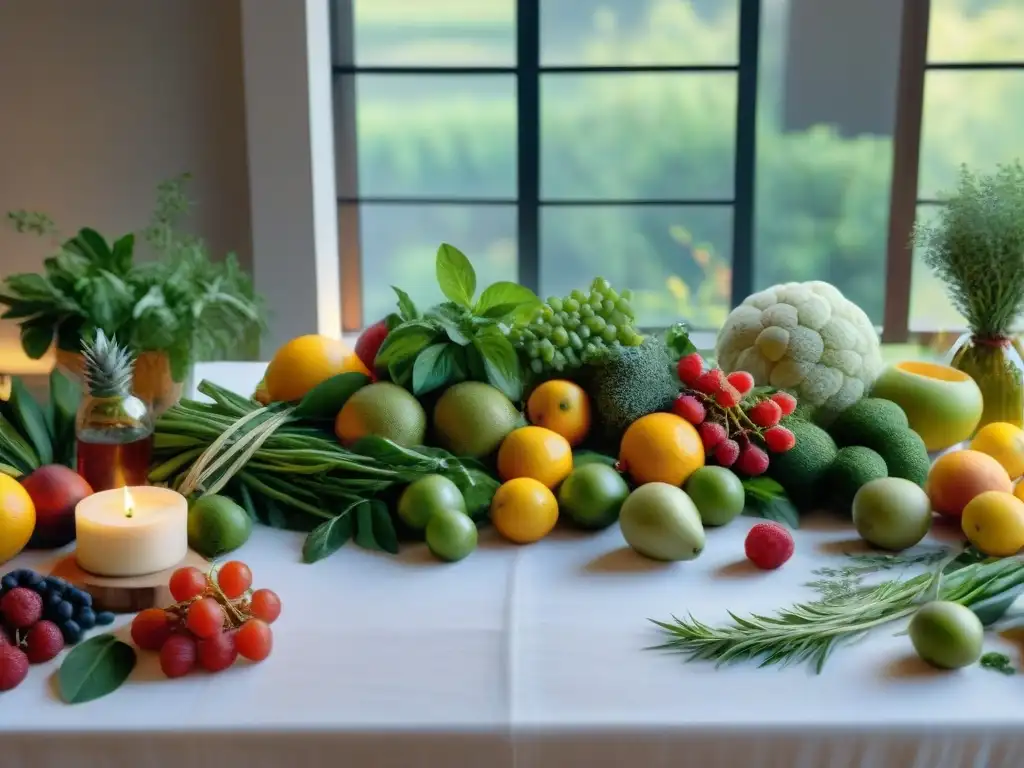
[956, 478]
[1004, 442]
[562, 407]
[304, 362]
[17, 517]
[661, 448]
[1018, 490]
[993, 521]
[535, 452]
[524, 510]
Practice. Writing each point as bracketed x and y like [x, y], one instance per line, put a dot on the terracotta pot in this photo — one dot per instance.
[152, 381]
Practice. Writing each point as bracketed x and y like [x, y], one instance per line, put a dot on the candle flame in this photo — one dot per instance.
[129, 503]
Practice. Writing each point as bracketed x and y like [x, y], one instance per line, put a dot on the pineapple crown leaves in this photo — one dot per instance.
[976, 246]
[108, 367]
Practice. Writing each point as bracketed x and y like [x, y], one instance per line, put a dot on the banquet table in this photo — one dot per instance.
[527, 657]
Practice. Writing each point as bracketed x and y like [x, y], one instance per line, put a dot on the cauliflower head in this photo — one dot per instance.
[804, 337]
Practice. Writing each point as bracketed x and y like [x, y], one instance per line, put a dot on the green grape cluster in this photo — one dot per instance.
[581, 328]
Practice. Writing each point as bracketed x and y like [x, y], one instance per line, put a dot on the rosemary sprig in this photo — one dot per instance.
[837, 582]
[810, 632]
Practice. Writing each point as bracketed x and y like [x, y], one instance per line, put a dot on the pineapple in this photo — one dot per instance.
[107, 367]
[977, 248]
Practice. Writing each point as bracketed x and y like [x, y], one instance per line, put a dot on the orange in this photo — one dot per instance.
[661, 448]
[956, 478]
[17, 517]
[1004, 442]
[524, 510]
[562, 407]
[535, 452]
[304, 362]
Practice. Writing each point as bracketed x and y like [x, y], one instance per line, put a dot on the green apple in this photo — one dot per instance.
[718, 494]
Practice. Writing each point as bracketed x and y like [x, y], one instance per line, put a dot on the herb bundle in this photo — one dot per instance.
[33, 434]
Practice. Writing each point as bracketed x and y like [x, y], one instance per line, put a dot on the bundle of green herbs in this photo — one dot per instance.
[284, 466]
[33, 434]
[181, 303]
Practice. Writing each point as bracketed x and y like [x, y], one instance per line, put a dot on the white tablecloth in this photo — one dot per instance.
[525, 656]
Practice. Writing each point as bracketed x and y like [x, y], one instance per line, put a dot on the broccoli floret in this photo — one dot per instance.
[632, 382]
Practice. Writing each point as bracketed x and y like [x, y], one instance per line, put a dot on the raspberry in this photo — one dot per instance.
[709, 382]
[13, 667]
[785, 401]
[742, 380]
[21, 607]
[690, 408]
[727, 452]
[178, 655]
[766, 413]
[217, 653]
[752, 460]
[768, 545]
[711, 434]
[689, 368]
[44, 642]
[727, 395]
[779, 439]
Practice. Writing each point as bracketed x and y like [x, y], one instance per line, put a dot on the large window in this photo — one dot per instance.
[692, 150]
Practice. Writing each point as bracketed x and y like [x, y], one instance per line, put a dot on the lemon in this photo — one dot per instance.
[1004, 442]
[217, 525]
[524, 510]
[993, 521]
[17, 517]
[661, 448]
[535, 452]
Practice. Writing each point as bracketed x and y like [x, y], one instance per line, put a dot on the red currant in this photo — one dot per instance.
[234, 578]
[217, 653]
[205, 618]
[187, 583]
[266, 605]
[151, 628]
[178, 655]
[254, 640]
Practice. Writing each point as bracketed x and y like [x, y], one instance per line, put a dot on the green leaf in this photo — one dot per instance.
[330, 536]
[501, 364]
[997, 662]
[90, 244]
[245, 499]
[453, 330]
[677, 339]
[504, 298]
[477, 485]
[767, 499]
[434, 368]
[65, 396]
[406, 341]
[389, 453]
[29, 285]
[14, 449]
[374, 529]
[30, 420]
[95, 668]
[122, 253]
[992, 609]
[455, 275]
[475, 370]
[583, 456]
[406, 308]
[326, 399]
[36, 338]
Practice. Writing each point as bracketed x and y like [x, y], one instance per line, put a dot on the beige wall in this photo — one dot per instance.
[100, 100]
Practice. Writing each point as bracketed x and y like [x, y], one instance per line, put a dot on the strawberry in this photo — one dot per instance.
[43, 642]
[712, 434]
[13, 667]
[752, 461]
[21, 607]
[768, 545]
[690, 408]
[689, 368]
[727, 452]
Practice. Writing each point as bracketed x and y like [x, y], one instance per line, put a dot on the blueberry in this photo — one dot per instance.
[10, 581]
[78, 597]
[71, 631]
[86, 618]
[28, 578]
[65, 609]
[103, 618]
[53, 599]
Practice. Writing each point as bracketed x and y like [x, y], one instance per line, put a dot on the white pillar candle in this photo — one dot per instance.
[131, 531]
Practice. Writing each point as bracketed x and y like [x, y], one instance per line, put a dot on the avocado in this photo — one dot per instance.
[867, 420]
[904, 453]
[853, 467]
[801, 469]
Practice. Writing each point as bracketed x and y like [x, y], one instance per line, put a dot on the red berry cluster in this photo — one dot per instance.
[25, 637]
[215, 620]
[733, 425]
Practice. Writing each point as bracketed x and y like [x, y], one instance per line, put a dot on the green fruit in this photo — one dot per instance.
[854, 467]
[385, 410]
[717, 493]
[946, 634]
[426, 497]
[800, 470]
[472, 418]
[904, 453]
[892, 513]
[867, 418]
[592, 495]
[451, 535]
[661, 522]
[217, 525]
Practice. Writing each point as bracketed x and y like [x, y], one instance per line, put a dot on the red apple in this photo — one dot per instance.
[55, 490]
[369, 342]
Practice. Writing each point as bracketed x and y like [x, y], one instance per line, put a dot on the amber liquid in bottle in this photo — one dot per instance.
[114, 458]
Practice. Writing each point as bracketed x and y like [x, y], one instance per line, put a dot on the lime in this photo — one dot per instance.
[385, 410]
[451, 535]
[592, 495]
[217, 525]
[426, 497]
[946, 634]
[472, 418]
[718, 494]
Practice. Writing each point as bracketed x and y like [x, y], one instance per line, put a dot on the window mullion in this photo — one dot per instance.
[528, 140]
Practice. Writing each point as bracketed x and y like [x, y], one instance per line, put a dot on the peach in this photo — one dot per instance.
[55, 490]
[956, 478]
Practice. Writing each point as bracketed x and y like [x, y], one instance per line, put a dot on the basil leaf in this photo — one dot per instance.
[30, 420]
[95, 668]
[36, 338]
[389, 453]
[453, 331]
[455, 275]
[503, 298]
[475, 370]
[406, 309]
[478, 488]
[121, 255]
[374, 528]
[326, 399]
[501, 364]
[433, 368]
[406, 341]
[330, 536]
